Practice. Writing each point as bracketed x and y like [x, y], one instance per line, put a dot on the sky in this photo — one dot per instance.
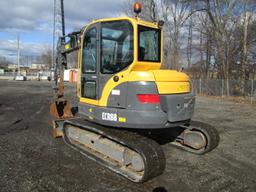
[32, 20]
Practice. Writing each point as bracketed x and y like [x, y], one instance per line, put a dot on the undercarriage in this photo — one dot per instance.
[134, 154]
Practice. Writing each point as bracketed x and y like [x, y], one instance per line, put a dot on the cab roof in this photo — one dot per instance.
[134, 21]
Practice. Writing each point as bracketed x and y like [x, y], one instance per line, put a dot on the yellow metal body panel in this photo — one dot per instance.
[171, 82]
[145, 66]
[134, 21]
[167, 81]
[141, 76]
[173, 87]
[170, 75]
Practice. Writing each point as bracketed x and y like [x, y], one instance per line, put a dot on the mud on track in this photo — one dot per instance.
[31, 160]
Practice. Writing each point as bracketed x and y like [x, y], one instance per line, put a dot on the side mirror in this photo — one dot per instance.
[73, 42]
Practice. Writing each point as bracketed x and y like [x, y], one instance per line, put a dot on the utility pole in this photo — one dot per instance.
[18, 53]
[16, 35]
[53, 36]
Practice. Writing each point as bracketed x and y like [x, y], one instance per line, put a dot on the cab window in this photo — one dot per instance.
[149, 44]
[116, 46]
[89, 58]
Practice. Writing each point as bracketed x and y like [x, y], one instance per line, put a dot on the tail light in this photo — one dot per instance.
[148, 98]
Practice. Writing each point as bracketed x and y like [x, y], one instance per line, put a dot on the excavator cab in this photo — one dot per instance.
[123, 92]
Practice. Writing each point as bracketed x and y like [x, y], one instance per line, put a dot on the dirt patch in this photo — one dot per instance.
[31, 160]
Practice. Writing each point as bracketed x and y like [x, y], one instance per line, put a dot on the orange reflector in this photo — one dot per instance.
[137, 7]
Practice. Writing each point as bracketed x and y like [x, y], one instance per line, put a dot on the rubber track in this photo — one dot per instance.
[210, 132]
[152, 153]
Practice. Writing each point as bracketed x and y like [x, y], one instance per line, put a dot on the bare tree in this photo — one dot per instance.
[246, 17]
[190, 40]
[175, 13]
[46, 59]
[218, 36]
[4, 62]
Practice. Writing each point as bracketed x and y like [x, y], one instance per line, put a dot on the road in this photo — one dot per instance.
[31, 160]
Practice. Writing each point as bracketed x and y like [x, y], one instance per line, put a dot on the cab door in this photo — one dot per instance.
[90, 65]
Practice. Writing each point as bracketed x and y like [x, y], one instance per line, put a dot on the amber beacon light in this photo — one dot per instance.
[137, 8]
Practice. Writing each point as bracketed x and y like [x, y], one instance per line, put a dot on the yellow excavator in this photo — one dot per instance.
[128, 106]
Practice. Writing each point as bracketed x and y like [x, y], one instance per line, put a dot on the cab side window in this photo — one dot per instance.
[149, 44]
[89, 58]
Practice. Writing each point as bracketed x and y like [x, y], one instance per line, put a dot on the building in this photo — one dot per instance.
[38, 66]
[12, 67]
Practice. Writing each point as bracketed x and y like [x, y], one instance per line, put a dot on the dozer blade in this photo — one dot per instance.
[129, 154]
[61, 109]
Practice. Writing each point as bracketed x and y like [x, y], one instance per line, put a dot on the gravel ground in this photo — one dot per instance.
[31, 160]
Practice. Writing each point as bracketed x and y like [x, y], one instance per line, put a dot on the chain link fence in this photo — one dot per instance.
[224, 88]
